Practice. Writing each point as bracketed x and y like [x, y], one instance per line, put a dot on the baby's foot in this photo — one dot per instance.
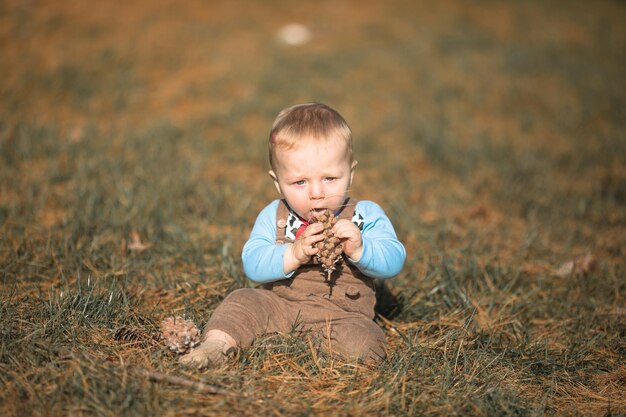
[214, 351]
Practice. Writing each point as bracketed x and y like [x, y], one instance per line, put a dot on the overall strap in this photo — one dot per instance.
[281, 221]
[348, 209]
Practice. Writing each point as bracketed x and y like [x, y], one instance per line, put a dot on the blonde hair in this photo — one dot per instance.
[310, 120]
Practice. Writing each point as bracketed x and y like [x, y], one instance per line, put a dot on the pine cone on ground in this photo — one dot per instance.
[330, 248]
[179, 335]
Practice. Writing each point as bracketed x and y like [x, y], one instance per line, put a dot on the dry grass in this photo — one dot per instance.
[132, 166]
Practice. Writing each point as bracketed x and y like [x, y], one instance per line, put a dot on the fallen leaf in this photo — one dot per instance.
[135, 243]
[578, 266]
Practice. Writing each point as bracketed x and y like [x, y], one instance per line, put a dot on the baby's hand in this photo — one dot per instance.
[299, 252]
[351, 238]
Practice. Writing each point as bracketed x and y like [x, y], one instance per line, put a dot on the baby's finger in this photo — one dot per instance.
[315, 238]
[309, 249]
[310, 243]
[343, 224]
[345, 230]
[313, 229]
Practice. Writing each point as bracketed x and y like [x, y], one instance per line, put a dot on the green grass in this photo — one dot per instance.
[496, 150]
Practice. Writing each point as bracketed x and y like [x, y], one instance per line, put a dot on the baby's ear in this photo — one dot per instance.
[352, 169]
[275, 179]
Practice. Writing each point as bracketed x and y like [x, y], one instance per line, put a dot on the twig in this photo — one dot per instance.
[155, 376]
[177, 380]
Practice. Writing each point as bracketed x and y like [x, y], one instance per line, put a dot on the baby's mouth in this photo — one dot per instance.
[317, 212]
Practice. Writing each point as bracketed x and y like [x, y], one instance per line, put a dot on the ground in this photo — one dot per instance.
[133, 164]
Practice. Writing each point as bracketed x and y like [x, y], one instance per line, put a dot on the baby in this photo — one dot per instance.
[310, 153]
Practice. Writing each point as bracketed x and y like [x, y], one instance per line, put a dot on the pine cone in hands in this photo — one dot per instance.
[330, 248]
[179, 335]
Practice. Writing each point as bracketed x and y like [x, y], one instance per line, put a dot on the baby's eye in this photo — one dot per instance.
[329, 179]
[299, 182]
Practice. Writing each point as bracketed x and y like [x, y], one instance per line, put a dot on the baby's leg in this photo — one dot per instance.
[355, 337]
[244, 314]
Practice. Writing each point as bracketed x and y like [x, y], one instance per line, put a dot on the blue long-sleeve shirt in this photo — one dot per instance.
[383, 254]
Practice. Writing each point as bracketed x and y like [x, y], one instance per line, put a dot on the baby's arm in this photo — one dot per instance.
[262, 257]
[264, 260]
[382, 254]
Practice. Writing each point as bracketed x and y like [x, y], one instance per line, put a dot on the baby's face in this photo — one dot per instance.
[314, 176]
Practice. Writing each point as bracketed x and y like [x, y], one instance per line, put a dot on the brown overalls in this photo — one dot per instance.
[305, 301]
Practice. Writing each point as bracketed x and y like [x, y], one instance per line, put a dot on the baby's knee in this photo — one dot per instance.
[372, 348]
[361, 341]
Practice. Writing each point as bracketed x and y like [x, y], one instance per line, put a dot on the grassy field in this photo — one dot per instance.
[133, 164]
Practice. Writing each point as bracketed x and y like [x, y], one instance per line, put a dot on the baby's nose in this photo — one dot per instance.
[316, 191]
